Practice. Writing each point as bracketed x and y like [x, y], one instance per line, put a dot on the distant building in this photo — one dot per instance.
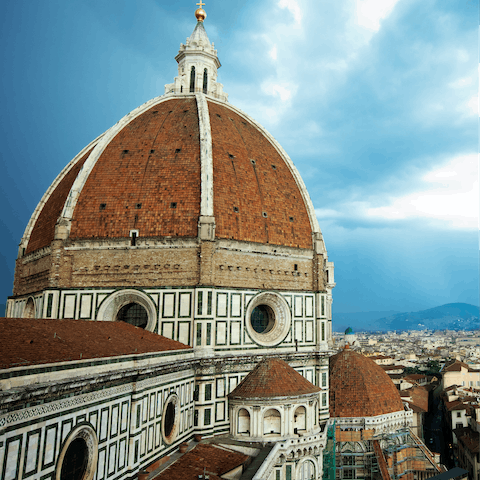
[459, 373]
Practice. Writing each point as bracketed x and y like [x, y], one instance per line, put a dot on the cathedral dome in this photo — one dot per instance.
[185, 193]
[167, 164]
[360, 388]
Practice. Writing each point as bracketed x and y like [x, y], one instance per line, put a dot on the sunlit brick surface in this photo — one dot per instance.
[263, 187]
[152, 163]
[44, 228]
[360, 388]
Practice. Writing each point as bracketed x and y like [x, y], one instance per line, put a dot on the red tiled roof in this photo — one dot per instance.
[27, 341]
[44, 228]
[455, 366]
[273, 377]
[216, 461]
[154, 162]
[469, 438]
[253, 187]
[360, 388]
[455, 405]
[415, 376]
[419, 397]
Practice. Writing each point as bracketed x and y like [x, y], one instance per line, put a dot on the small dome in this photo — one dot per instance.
[349, 331]
[273, 377]
[360, 388]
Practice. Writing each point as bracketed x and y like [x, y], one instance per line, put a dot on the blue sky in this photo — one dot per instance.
[375, 101]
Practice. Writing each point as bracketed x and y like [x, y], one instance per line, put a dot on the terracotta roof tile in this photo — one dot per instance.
[419, 396]
[44, 228]
[216, 461]
[28, 341]
[273, 377]
[151, 163]
[249, 174]
[360, 388]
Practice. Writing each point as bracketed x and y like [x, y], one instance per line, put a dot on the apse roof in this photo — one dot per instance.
[360, 388]
[273, 377]
[216, 461]
[28, 341]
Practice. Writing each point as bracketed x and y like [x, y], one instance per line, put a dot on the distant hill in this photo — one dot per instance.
[452, 316]
[359, 321]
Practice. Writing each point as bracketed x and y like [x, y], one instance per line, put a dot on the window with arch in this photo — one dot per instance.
[272, 422]
[243, 425]
[29, 310]
[307, 470]
[300, 419]
[192, 79]
[134, 314]
[205, 81]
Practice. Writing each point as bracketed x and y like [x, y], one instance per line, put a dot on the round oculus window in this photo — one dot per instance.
[268, 319]
[170, 419]
[262, 318]
[134, 314]
[78, 456]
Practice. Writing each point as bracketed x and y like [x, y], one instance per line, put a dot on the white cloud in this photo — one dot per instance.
[283, 91]
[472, 105]
[453, 196]
[371, 12]
[450, 196]
[273, 52]
[294, 9]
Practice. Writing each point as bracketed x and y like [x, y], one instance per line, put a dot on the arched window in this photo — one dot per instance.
[300, 419]
[134, 314]
[307, 471]
[75, 461]
[205, 81]
[271, 422]
[243, 421]
[192, 80]
[29, 310]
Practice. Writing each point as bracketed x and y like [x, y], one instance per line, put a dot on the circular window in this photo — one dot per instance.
[78, 456]
[262, 319]
[268, 319]
[130, 306]
[170, 419]
[134, 314]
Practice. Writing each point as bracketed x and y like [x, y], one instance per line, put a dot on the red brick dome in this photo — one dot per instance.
[146, 174]
[360, 388]
[273, 377]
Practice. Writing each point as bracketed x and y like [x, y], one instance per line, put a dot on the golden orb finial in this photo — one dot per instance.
[200, 13]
